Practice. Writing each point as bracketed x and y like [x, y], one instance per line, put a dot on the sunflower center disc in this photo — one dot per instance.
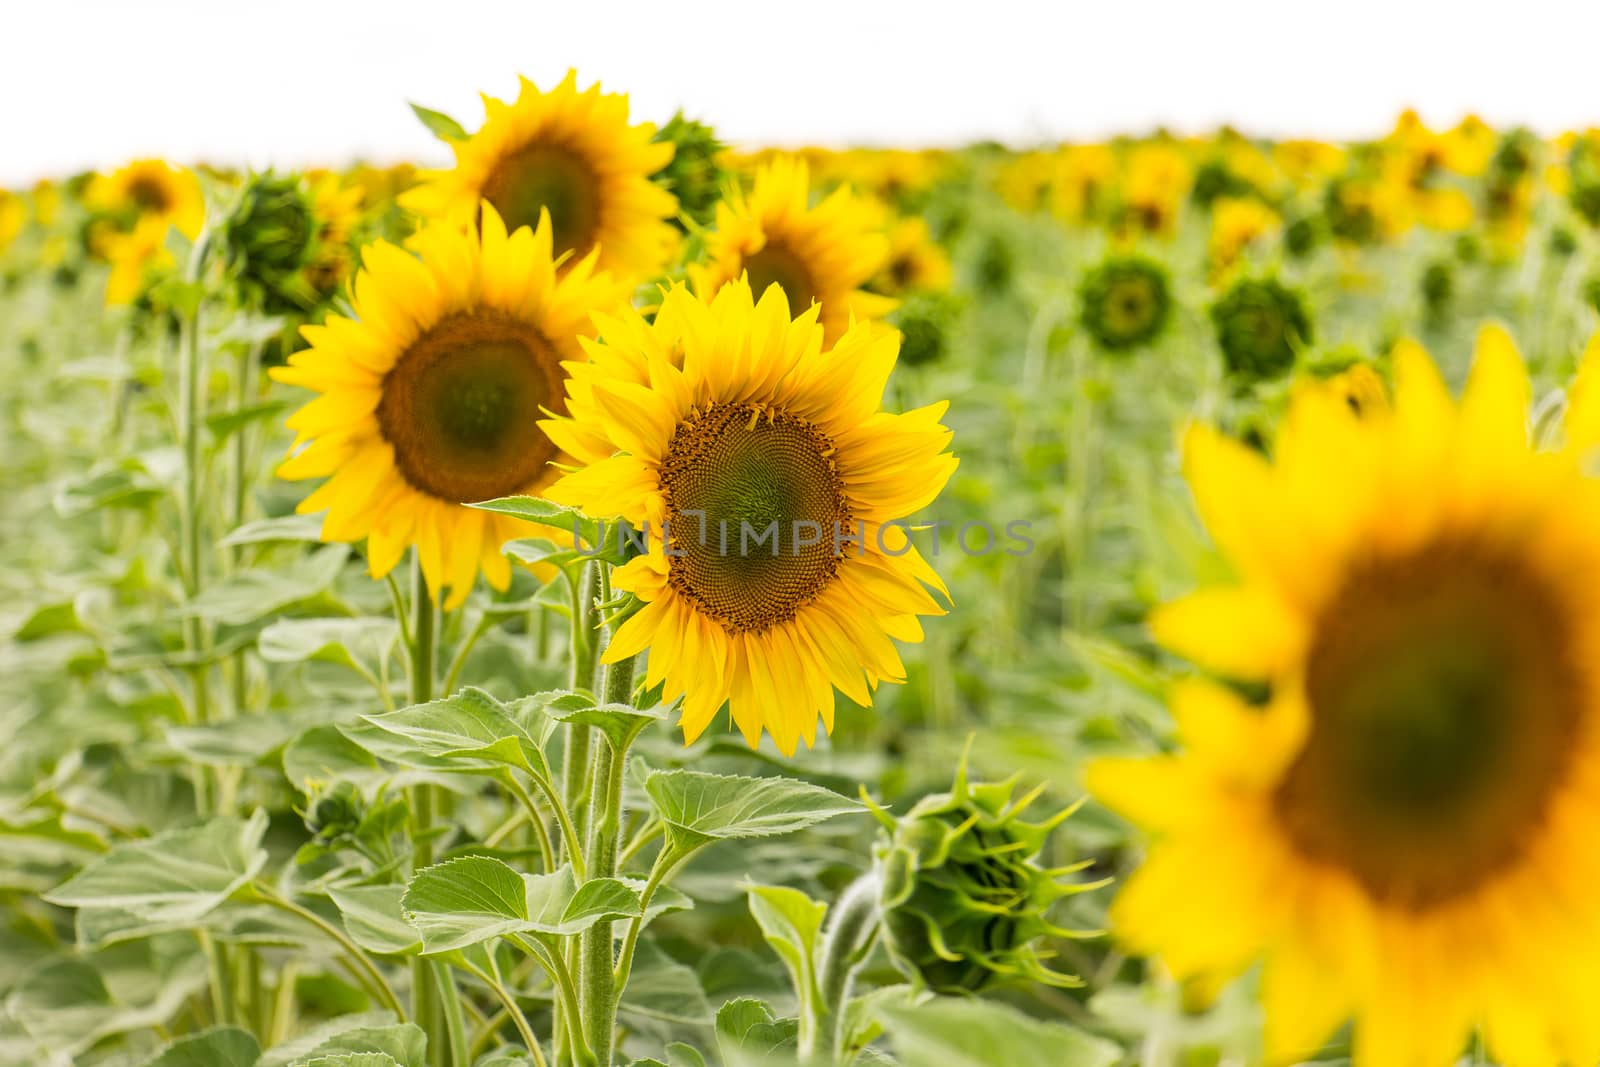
[776, 265]
[462, 404]
[1128, 307]
[765, 484]
[556, 179]
[1444, 693]
[148, 194]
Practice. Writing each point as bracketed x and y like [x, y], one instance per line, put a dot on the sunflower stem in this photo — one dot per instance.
[575, 762]
[425, 999]
[851, 932]
[597, 961]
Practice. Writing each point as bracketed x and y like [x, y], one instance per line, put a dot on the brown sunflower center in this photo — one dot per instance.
[1444, 692]
[149, 194]
[1129, 306]
[555, 178]
[776, 265]
[461, 407]
[772, 503]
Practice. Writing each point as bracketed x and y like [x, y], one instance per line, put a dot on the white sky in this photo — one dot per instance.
[89, 83]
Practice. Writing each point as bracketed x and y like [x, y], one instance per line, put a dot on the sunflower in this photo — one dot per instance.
[1125, 302]
[431, 394]
[149, 188]
[786, 571]
[134, 256]
[574, 155]
[915, 263]
[1406, 830]
[822, 254]
[12, 215]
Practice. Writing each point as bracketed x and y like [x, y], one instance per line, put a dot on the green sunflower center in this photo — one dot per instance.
[777, 265]
[1444, 691]
[1130, 307]
[557, 179]
[772, 502]
[462, 404]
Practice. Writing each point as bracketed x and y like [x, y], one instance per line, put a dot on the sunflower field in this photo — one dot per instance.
[625, 599]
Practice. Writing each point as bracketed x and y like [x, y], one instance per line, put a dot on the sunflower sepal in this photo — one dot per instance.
[439, 124]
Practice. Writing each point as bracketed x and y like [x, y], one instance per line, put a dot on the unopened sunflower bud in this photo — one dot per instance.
[269, 235]
[963, 899]
[694, 176]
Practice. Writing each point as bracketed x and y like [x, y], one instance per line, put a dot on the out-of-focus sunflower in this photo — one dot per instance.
[1405, 831]
[1083, 182]
[134, 257]
[1236, 223]
[431, 395]
[571, 153]
[1154, 185]
[1125, 302]
[916, 263]
[12, 216]
[149, 189]
[776, 237]
[1307, 163]
[46, 197]
[784, 482]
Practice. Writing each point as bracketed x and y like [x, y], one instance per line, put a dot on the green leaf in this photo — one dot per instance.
[401, 1043]
[307, 1043]
[621, 723]
[471, 726]
[177, 876]
[662, 995]
[594, 539]
[439, 124]
[323, 755]
[748, 1025]
[256, 594]
[240, 742]
[284, 528]
[354, 1059]
[699, 807]
[792, 923]
[469, 900]
[223, 1047]
[126, 485]
[350, 643]
[464, 901]
[375, 920]
[49, 620]
[963, 1032]
[224, 424]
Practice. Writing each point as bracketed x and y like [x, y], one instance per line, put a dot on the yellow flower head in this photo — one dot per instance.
[916, 263]
[786, 573]
[12, 215]
[134, 256]
[150, 188]
[1156, 181]
[431, 395]
[1406, 830]
[574, 155]
[1237, 222]
[822, 254]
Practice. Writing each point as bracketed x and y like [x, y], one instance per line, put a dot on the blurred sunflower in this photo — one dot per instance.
[134, 257]
[431, 395]
[821, 254]
[148, 189]
[744, 431]
[1260, 324]
[1237, 223]
[1406, 830]
[1125, 302]
[12, 216]
[574, 155]
[1154, 185]
[915, 263]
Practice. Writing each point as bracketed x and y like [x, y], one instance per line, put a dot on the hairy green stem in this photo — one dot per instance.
[425, 1001]
[455, 1025]
[852, 928]
[595, 946]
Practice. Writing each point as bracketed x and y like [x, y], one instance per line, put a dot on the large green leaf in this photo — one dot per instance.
[699, 807]
[177, 876]
[596, 540]
[308, 1043]
[470, 727]
[351, 643]
[226, 1046]
[374, 919]
[620, 723]
[962, 1032]
[792, 924]
[469, 900]
[256, 594]
[662, 994]
[286, 528]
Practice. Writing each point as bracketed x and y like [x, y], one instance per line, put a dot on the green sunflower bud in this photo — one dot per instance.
[1260, 324]
[336, 812]
[269, 235]
[963, 899]
[925, 321]
[1438, 287]
[1300, 237]
[694, 176]
[1125, 302]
